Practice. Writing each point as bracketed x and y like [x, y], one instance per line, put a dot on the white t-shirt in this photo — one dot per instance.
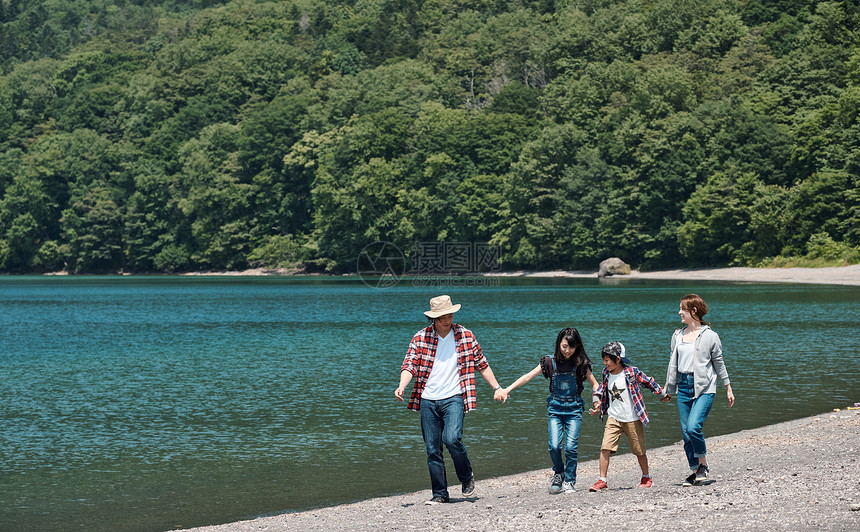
[444, 380]
[685, 356]
[620, 400]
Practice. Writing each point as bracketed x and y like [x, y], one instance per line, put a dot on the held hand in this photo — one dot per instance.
[398, 393]
[501, 395]
[594, 410]
[666, 398]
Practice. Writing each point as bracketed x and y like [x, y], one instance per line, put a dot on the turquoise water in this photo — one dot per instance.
[151, 403]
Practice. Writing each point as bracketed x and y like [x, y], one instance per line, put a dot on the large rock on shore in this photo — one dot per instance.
[613, 266]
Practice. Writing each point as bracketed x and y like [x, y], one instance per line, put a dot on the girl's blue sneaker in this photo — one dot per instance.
[555, 486]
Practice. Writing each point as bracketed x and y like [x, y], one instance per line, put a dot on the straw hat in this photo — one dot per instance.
[441, 305]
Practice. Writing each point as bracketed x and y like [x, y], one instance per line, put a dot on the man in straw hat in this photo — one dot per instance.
[443, 358]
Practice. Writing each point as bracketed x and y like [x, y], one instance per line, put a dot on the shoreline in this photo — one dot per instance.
[840, 275]
[796, 475]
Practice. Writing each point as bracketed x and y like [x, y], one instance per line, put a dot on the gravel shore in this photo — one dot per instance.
[844, 275]
[798, 475]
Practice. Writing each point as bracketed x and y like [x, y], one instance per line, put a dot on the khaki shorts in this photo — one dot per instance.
[635, 435]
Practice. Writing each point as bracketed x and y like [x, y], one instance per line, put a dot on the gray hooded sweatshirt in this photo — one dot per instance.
[707, 363]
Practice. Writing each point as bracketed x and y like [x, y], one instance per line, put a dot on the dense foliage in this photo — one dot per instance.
[168, 135]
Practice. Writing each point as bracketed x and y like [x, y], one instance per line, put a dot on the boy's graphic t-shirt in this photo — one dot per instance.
[620, 400]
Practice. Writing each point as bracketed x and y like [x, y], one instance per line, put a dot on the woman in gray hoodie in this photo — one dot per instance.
[694, 366]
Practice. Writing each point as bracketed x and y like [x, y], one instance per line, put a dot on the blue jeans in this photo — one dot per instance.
[564, 435]
[442, 422]
[692, 414]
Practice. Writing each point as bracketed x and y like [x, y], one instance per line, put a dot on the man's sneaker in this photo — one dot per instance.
[599, 485]
[702, 473]
[555, 486]
[690, 481]
[645, 482]
[567, 487]
[437, 500]
[469, 487]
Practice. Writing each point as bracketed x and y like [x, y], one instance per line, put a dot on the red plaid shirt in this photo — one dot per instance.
[422, 353]
[634, 378]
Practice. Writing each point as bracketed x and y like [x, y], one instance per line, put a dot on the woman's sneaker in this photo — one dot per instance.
[690, 481]
[555, 486]
[567, 487]
[437, 500]
[646, 482]
[701, 474]
[469, 487]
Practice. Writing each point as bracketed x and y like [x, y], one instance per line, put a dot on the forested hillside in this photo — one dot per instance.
[168, 135]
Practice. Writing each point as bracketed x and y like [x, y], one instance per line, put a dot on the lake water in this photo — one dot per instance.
[151, 403]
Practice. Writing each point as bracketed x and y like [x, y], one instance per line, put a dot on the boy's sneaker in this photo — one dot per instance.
[555, 486]
[701, 474]
[599, 485]
[645, 482]
[469, 487]
[567, 487]
[437, 500]
[690, 481]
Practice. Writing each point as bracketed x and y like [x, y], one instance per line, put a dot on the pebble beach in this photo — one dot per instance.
[844, 275]
[797, 475]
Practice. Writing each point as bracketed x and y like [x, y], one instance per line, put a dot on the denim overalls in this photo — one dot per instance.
[564, 409]
[563, 397]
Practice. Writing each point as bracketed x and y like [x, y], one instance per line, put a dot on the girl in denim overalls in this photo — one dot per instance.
[566, 370]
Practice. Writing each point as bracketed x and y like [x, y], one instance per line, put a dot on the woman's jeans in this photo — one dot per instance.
[564, 434]
[692, 414]
[442, 422]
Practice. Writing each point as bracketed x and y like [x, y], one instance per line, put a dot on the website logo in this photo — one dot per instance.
[381, 265]
[430, 264]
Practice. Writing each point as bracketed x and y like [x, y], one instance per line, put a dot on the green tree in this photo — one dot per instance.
[358, 209]
[718, 227]
[155, 234]
[531, 238]
[817, 205]
[214, 199]
[92, 231]
[25, 216]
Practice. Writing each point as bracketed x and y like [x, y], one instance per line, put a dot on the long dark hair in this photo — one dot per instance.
[581, 362]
